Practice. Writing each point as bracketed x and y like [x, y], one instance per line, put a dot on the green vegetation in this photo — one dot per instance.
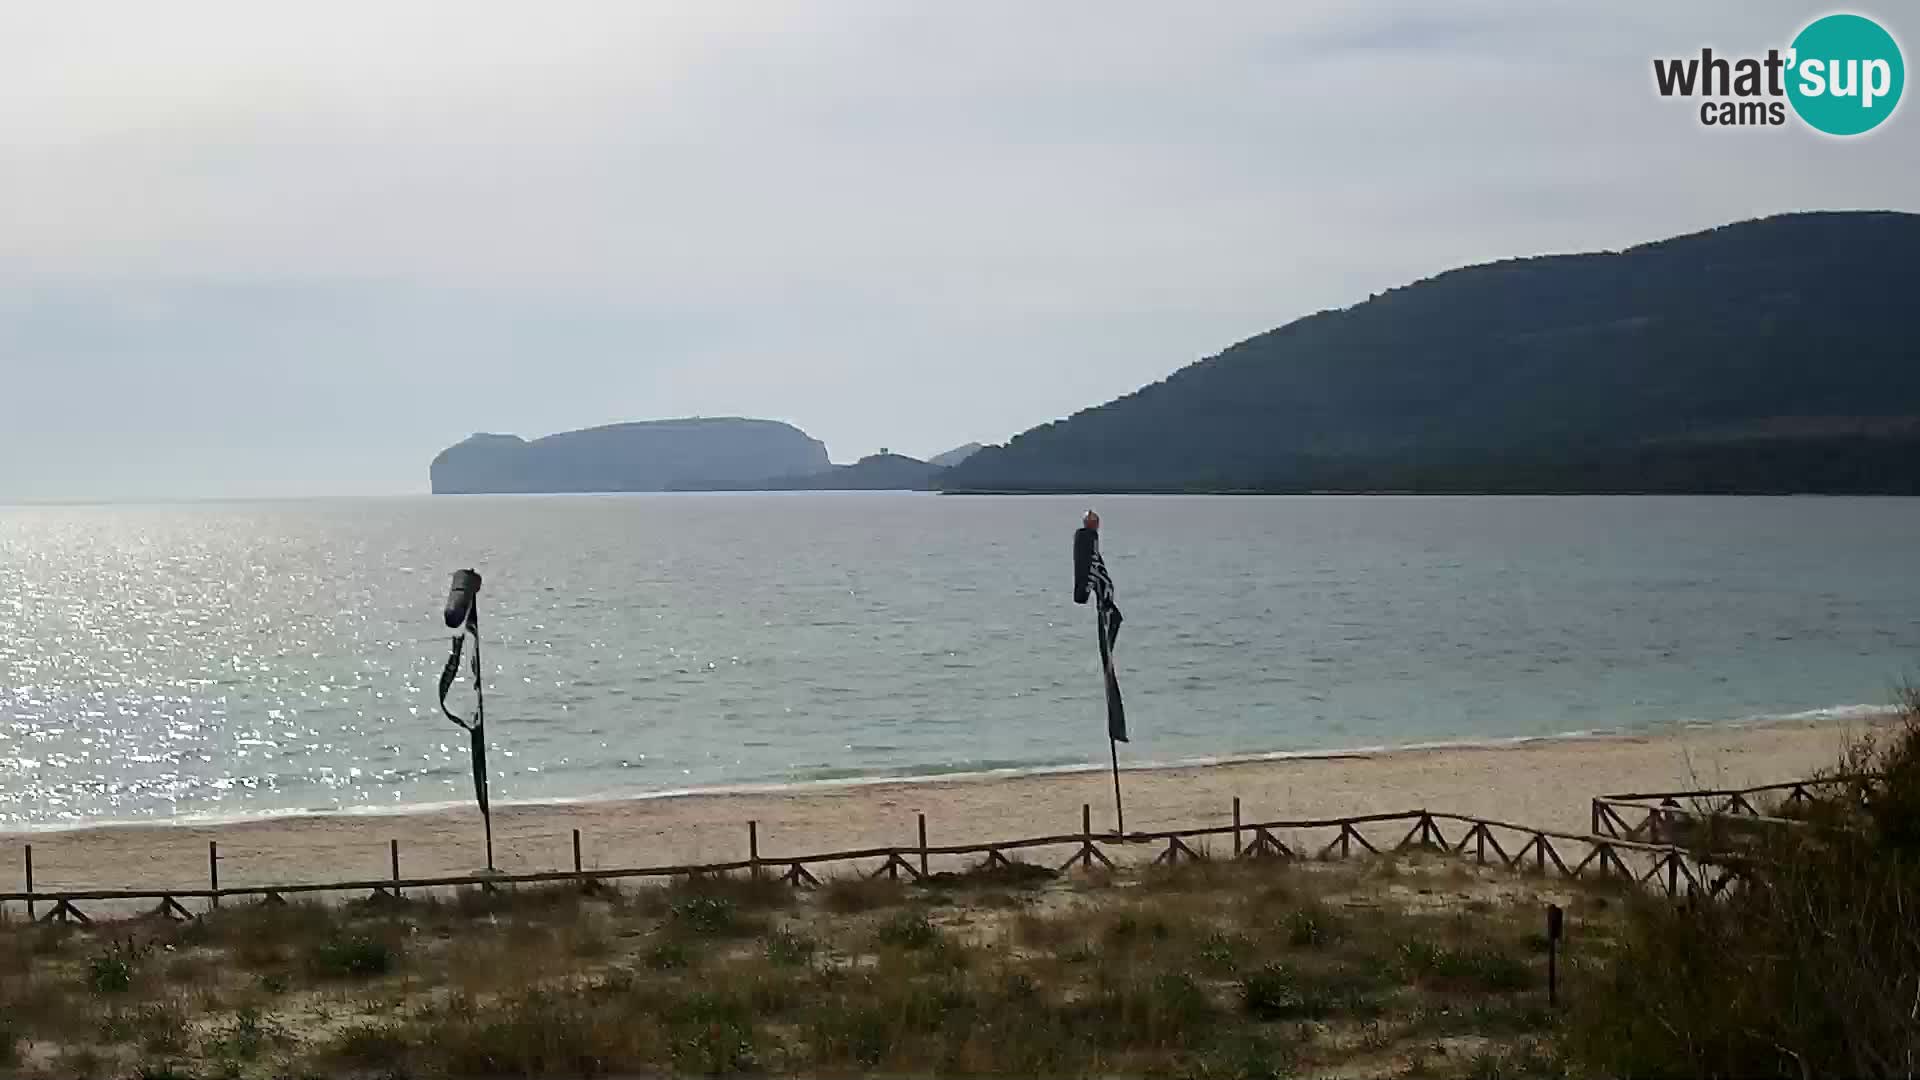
[788, 949]
[908, 930]
[1809, 966]
[1414, 965]
[854, 895]
[1766, 356]
[1209, 970]
[353, 956]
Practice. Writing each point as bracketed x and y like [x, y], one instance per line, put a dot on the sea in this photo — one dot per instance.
[197, 661]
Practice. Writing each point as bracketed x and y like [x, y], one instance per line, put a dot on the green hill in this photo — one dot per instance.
[1764, 356]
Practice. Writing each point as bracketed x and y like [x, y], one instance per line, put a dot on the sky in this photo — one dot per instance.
[297, 248]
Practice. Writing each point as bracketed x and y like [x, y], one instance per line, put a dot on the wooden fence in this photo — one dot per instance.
[1670, 868]
[1714, 815]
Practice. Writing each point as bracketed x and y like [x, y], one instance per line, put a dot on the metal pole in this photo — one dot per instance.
[480, 720]
[213, 870]
[753, 846]
[1119, 812]
[393, 856]
[923, 845]
[29, 882]
[576, 851]
[1236, 826]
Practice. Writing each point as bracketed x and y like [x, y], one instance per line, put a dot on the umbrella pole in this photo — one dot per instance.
[479, 734]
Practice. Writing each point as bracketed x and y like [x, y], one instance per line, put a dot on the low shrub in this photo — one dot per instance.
[112, 970]
[1805, 966]
[353, 956]
[908, 930]
[1312, 926]
[1276, 992]
[707, 915]
[1482, 965]
[162, 1028]
[246, 1036]
[856, 895]
[668, 956]
[788, 949]
[370, 1046]
[1222, 952]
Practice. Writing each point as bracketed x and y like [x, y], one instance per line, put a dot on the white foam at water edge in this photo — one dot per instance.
[1827, 715]
[1831, 714]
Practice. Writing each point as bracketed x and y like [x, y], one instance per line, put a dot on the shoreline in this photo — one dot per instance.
[1827, 715]
[1542, 782]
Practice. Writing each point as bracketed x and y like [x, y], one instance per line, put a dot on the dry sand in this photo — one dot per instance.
[1544, 784]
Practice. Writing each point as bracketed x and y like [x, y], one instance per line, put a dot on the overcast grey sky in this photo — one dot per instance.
[297, 248]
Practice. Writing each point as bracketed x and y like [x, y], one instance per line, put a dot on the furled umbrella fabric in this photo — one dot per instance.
[1091, 581]
[476, 728]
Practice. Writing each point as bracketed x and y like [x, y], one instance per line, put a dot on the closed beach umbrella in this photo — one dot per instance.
[1092, 582]
[463, 617]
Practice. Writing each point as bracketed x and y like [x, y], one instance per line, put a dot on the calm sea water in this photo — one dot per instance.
[233, 659]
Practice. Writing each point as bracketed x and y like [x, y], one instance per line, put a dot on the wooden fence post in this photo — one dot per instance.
[213, 870]
[753, 848]
[1555, 928]
[1087, 853]
[1236, 826]
[393, 864]
[29, 882]
[576, 851]
[923, 845]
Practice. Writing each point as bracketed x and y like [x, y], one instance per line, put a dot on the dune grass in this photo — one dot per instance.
[1810, 966]
[1208, 970]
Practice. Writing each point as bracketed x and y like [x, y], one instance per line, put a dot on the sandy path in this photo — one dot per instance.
[1543, 783]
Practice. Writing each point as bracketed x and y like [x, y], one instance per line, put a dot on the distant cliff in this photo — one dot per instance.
[654, 455]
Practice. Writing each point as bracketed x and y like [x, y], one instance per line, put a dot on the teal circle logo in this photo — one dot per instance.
[1846, 74]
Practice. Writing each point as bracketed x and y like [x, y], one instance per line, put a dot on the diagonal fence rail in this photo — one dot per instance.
[1712, 817]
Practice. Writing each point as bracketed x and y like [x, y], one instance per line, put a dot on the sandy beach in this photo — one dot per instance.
[1542, 783]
